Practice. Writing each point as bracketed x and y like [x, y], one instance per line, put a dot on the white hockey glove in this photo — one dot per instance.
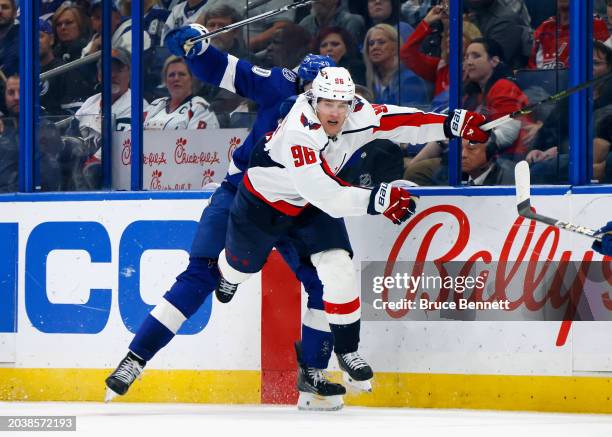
[176, 38]
[393, 201]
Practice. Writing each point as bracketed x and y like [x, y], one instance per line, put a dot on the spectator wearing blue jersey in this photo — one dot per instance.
[53, 90]
[48, 7]
[45, 153]
[390, 82]
[9, 38]
[269, 89]
[9, 142]
[71, 29]
[154, 18]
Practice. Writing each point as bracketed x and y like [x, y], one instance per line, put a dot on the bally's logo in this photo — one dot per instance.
[309, 124]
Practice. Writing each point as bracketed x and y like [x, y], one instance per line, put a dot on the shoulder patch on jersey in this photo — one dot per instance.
[261, 71]
[289, 75]
[309, 124]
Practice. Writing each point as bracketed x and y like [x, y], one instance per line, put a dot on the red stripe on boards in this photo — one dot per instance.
[281, 316]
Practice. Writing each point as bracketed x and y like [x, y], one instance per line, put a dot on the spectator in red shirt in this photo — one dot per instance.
[551, 39]
[431, 68]
[490, 92]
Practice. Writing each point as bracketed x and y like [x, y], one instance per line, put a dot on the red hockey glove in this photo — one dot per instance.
[394, 202]
[466, 124]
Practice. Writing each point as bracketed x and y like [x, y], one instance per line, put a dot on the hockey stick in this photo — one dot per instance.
[550, 99]
[192, 41]
[523, 204]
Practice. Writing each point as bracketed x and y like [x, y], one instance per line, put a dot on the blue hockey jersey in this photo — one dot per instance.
[267, 88]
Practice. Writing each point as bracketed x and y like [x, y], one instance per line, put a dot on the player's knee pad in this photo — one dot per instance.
[336, 272]
[340, 293]
[190, 290]
[229, 273]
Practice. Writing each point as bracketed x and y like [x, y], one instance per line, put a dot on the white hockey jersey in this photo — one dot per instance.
[90, 117]
[194, 113]
[182, 15]
[300, 163]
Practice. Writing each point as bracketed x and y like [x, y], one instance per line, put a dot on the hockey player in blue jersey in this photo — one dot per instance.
[605, 245]
[268, 88]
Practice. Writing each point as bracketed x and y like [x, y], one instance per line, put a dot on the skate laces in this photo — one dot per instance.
[354, 360]
[318, 376]
[227, 287]
[128, 370]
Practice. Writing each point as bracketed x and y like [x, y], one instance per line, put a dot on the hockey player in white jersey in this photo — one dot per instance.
[291, 190]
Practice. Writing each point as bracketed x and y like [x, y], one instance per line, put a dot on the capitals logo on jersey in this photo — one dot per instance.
[358, 105]
[309, 124]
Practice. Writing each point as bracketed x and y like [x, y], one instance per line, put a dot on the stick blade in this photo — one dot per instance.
[523, 186]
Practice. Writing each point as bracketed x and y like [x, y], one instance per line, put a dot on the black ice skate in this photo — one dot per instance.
[121, 379]
[356, 372]
[317, 392]
[225, 290]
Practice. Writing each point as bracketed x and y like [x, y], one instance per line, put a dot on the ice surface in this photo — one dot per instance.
[177, 420]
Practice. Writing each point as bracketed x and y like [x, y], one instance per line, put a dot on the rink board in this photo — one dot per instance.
[78, 277]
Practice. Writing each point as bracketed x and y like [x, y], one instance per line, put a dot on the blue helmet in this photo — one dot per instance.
[310, 66]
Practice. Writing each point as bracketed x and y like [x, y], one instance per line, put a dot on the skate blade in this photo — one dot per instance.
[355, 386]
[313, 402]
[110, 395]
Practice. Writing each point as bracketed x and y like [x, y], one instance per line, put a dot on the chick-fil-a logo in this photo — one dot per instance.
[155, 159]
[183, 156]
[233, 145]
[207, 177]
[506, 269]
[126, 152]
[156, 180]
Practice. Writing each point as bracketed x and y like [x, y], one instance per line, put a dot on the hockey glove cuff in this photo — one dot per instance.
[394, 202]
[465, 124]
[176, 39]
